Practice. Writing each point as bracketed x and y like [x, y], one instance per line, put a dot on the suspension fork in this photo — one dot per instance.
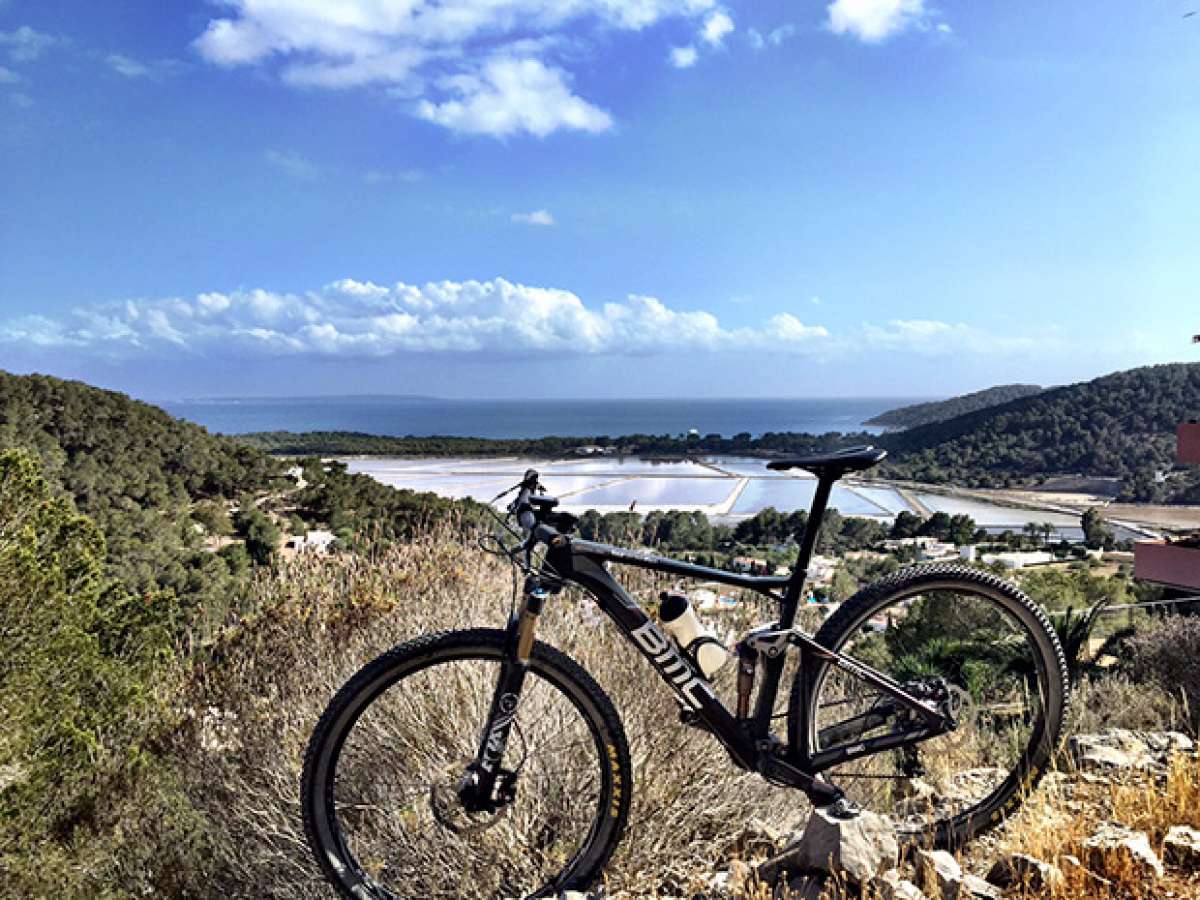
[478, 787]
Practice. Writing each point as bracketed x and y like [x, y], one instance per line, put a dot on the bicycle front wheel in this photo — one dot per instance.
[968, 641]
[381, 808]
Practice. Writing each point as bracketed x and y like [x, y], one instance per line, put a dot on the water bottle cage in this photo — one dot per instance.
[692, 651]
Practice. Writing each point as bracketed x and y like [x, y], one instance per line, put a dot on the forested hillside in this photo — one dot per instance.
[138, 474]
[941, 410]
[1120, 425]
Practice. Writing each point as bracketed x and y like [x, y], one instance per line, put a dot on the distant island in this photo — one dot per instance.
[941, 410]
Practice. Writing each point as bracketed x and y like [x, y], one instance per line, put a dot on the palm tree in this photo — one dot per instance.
[1033, 531]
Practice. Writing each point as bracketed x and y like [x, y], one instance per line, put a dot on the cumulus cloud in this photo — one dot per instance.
[537, 217]
[494, 67]
[8, 76]
[716, 27]
[874, 21]
[509, 95]
[684, 57]
[362, 319]
[292, 164]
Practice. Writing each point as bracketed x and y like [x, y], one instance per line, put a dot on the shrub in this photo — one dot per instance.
[78, 701]
[1167, 653]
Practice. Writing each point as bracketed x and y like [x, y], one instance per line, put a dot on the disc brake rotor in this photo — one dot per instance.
[448, 809]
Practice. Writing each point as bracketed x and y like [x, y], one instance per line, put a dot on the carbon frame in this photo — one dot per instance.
[748, 740]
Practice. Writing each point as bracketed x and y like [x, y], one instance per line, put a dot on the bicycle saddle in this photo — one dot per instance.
[835, 464]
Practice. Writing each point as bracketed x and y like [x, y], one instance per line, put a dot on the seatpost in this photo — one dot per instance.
[791, 597]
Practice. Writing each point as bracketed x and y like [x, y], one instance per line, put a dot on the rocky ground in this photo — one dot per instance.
[1119, 819]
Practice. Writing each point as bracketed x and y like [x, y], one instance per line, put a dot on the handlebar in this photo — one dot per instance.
[521, 507]
[526, 509]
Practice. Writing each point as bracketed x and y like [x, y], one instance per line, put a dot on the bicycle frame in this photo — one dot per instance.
[748, 740]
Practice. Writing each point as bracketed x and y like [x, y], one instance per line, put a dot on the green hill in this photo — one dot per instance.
[941, 410]
[137, 473]
[1119, 425]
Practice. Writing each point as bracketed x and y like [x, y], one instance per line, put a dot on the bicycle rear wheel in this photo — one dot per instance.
[379, 793]
[969, 641]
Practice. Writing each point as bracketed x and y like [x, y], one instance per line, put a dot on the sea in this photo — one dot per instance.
[425, 416]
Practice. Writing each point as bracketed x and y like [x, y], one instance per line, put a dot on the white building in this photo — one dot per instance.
[318, 541]
[1019, 559]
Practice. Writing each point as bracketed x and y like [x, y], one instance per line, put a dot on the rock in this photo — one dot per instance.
[1167, 741]
[1181, 847]
[1115, 846]
[975, 888]
[1022, 870]
[891, 885]
[939, 873]
[855, 847]
[1119, 748]
[1070, 863]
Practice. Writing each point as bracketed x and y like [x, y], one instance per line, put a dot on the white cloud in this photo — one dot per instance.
[775, 37]
[357, 319]
[8, 76]
[129, 68]
[930, 337]
[716, 27]
[494, 67]
[537, 217]
[683, 57]
[511, 95]
[25, 44]
[873, 21]
[781, 34]
[21, 101]
[292, 164]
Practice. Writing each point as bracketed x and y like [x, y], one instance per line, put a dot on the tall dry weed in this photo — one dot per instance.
[261, 688]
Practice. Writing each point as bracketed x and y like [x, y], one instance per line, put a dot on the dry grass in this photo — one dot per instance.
[321, 619]
[1056, 822]
[324, 618]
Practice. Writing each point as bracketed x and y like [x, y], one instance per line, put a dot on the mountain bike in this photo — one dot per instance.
[487, 763]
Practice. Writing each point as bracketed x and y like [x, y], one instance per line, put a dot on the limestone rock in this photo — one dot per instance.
[939, 873]
[855, 847]
[1113, 844]
[1120, 748]
[1022, 870]
[1073, 864]
[1181, 847]
[891, 885]
[973, 887]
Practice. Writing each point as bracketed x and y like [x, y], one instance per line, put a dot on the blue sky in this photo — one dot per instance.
[597, 197]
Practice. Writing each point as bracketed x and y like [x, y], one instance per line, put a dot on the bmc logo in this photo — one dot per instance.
[663, 654]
